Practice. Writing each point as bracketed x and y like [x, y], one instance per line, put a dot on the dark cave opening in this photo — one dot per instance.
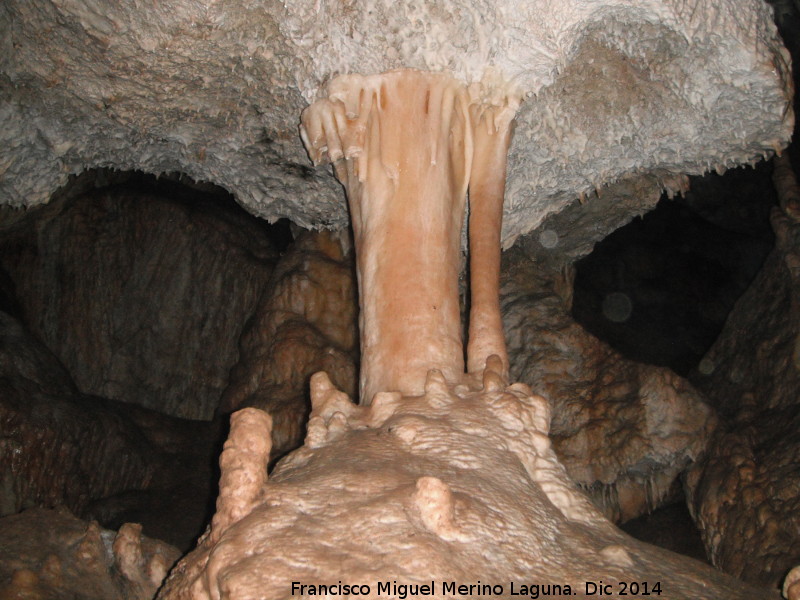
[660, 289]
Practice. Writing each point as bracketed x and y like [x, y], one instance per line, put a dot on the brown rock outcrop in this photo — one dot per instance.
[52, 555]
[304, 323]
[623, 430]
[142, 297]
[745, 495]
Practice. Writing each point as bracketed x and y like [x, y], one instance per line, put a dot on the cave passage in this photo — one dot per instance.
[660, 289]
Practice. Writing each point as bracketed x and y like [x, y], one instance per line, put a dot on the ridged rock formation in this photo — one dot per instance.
[59, 447]
[746, 494]
[141, 296]
[305, 322]
[51, 555]
[623, 430]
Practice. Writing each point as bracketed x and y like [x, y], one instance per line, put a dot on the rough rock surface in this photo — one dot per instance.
[111, 460]
[140, 295]
[623, 430]
[59, 447]
[51, 555]
[745, 495]
[214, 90]
[457, 485]
[306, 322]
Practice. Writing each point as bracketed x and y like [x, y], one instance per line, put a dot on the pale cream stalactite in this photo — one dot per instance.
[402, 144]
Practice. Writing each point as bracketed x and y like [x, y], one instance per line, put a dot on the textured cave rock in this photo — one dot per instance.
[59, 447]
[175, 505]
[623, 430]
[745, 495]
[113, 461]
[615, 89]
[459, 484]
[306, 322]
[142, 293]
[52, 555]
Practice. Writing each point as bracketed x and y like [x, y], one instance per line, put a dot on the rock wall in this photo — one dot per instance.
[111, 460]
[142, 297]
[305, 322]
[59, 447]
[623, 430]
[746, 493]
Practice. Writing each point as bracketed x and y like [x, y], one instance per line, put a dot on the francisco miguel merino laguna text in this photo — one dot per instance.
[411, 590]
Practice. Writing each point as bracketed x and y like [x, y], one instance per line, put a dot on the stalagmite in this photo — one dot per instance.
[242, 466]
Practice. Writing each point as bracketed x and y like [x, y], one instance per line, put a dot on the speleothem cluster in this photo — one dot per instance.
[439, 476]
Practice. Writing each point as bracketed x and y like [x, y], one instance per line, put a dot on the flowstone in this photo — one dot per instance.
[459, 484]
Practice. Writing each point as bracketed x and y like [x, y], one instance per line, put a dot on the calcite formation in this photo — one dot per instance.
[306, 321]
[458, 484]
[623, 430]
[440, 477]
[51, 555]
[746, 493]
[615, 89]
[403, 144]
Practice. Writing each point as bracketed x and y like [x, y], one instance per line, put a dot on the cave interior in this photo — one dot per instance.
[139, 310]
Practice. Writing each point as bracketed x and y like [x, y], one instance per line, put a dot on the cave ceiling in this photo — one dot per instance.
[618, 95]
